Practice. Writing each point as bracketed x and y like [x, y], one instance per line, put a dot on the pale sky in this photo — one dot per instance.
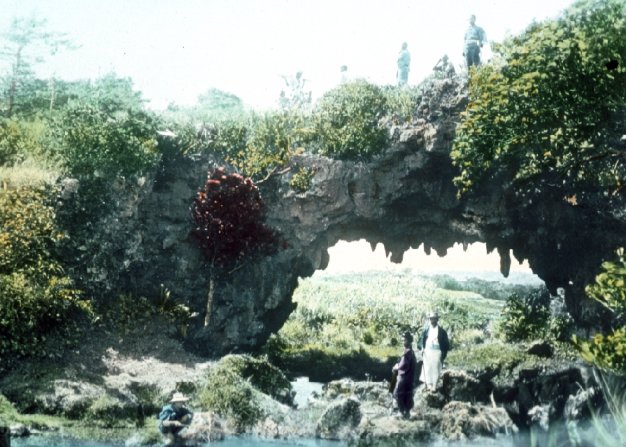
[175, 50]
[358, 256]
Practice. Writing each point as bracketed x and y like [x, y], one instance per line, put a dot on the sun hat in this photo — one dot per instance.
[433, 314]
[179, 397]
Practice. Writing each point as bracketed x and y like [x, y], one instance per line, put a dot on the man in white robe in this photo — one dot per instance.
[434, 344]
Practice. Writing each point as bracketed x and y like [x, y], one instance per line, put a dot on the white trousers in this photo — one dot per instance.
[431, 368]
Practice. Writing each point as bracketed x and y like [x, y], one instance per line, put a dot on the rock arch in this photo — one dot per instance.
[402, 199]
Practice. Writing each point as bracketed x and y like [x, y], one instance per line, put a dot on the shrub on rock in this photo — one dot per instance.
[347, 121]
[236, 386]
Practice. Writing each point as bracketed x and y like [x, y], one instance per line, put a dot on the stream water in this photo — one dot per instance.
[520, 440]
[37, 441]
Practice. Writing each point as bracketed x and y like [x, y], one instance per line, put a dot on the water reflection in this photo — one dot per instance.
[46, 441]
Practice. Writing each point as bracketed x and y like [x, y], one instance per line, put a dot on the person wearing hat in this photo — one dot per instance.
[434, 344]
[405, 369]
[174, 417]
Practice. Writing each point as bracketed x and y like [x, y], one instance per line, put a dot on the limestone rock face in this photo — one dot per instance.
[403, 198]
[461, 421]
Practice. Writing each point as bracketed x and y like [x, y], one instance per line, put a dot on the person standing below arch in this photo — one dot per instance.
[434, 344]
[404, 62]
[474, 39]
[405, 369]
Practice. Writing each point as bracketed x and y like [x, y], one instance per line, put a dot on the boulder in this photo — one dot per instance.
[541, 349]
[540, 416]
[205, 428]
[390, 431]
[429, 399]
[459, 385]
[463, 420]
[339, 419]
[580, 405]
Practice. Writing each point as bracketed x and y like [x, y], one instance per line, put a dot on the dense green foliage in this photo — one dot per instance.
[257, 144]
[274, 137]
[402, 102]
[608, 351]
[95, 131]
[347, 121]
[18, 139]
[549, 114]
[211, 106]
[235, 388]
[489, 289]
[6, 408]
[98, 143]
[609, 287]
[301, 179]
[38, 300]
[525, 317]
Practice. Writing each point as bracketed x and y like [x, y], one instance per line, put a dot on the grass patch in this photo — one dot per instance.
[324, 365]
[351, 324]
[28, 173]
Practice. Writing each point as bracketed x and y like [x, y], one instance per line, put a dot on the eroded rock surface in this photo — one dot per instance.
[403, 198]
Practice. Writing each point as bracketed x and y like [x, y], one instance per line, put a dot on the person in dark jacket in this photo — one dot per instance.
[405, 369]
[434, 344]
[174, 417]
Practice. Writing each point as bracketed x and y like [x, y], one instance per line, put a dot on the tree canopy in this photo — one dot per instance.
[550, 112]
[24, 44]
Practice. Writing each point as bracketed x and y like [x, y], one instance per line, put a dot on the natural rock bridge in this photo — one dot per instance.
[402, 199]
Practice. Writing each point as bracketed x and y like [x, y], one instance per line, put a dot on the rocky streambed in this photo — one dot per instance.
[357, 413]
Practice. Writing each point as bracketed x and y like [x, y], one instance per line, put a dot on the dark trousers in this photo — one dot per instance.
[5, 436]
[172, 430]
[404, 395]
[472, 56]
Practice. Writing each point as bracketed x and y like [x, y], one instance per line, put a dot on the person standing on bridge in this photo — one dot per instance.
[474, 39]
[404, 62]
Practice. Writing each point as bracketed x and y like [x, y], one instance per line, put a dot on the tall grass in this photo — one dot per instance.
[610, 429]
[368, 312]
[27, 173]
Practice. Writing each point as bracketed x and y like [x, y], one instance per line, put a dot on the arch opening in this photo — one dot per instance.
[471, 260]
[351, 314]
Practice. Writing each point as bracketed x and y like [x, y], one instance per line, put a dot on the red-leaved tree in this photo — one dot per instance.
[229, 224]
